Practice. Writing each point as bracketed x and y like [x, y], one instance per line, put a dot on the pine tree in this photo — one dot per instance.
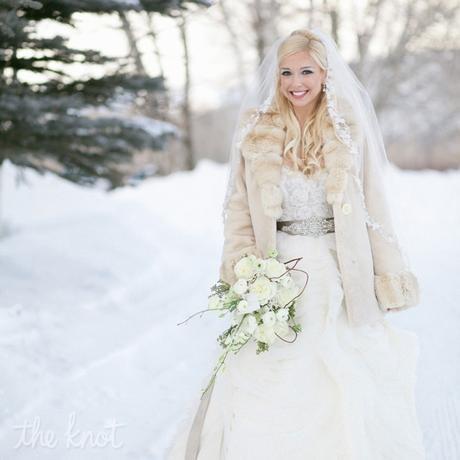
[47, 117]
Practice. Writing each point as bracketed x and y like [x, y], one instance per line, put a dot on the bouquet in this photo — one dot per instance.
[261, 303]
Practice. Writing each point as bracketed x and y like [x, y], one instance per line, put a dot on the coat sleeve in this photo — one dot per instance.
[396, 286]
[238, 230]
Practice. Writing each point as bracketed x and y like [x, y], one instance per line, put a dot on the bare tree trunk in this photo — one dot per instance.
[332, 10]
[186, 111]
[365, 33]
[234, 43]
[153, 36]
[133, 49]
[157, 104]
[258, 24]
[265, 15]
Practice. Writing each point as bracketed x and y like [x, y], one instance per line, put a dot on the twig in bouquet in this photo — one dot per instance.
[298, 295]
[295, 270]
[296, 260]
[288, 341]
[197, 313]
[304, 286]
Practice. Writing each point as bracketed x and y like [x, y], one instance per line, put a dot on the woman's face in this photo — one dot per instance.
[300, 79]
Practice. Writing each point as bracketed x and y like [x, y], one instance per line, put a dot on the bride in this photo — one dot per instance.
[306, 180]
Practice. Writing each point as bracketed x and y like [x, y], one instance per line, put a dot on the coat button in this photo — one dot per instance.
[346, 208]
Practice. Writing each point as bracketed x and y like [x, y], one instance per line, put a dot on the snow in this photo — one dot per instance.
[93, 284]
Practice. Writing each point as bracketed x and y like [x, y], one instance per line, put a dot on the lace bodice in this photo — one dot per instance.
[303, 196]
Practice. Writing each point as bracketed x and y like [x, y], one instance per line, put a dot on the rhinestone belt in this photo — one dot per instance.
[313, 226]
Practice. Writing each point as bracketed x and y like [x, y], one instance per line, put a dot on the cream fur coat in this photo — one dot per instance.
[375, 278]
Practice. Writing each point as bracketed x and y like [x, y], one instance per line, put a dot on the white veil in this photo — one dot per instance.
[344, 92]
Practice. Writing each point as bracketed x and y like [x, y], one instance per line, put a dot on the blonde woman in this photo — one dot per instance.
[307, 180]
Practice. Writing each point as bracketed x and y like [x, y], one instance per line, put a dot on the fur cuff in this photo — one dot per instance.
[397, 290]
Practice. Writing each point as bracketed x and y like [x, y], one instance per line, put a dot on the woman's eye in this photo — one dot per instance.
[304, 72]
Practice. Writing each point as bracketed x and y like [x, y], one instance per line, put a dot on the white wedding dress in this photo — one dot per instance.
[336, 393]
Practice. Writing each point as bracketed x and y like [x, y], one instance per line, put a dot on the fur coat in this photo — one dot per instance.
[374, 276]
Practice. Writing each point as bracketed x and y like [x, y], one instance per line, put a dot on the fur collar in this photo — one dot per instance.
[263, 148]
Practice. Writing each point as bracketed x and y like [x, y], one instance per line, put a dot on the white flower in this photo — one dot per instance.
[286, 295]
[242, 306]
[265, 334]
[263, 289]
[214, 301]
[273, 268]
[281, 328]
[260, 265]
[269, 318]
[253, 259]
[273, 253]
[282, 314]
[249, 324]
[286, 281]
[245, 267]
[240, 287]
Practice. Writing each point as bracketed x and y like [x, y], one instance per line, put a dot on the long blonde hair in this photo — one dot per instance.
[309, 142]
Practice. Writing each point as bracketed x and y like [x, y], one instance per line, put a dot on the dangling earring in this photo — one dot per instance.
[323, 87]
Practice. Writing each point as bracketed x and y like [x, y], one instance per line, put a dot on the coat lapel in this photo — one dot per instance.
[263, 149]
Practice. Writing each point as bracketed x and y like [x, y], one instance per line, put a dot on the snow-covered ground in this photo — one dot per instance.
[93, 284]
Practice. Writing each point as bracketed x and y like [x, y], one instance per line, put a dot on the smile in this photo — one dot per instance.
[299, 94]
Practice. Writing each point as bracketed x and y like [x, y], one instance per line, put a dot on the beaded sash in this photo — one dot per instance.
[312, 226]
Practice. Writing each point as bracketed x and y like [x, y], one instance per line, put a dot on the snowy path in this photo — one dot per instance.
[93, 285]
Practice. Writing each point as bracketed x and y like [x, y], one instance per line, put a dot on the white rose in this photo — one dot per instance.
[262, 288]
[242, 306]
[240, 287]
[286, 295]
[214, 302]
[249, 324]
[281, 328]
[273, 268]
[253, 259]
[265, 334]
[269, 318]
[282, 314]
[245, 268]
[286, 281]
[260, 265]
